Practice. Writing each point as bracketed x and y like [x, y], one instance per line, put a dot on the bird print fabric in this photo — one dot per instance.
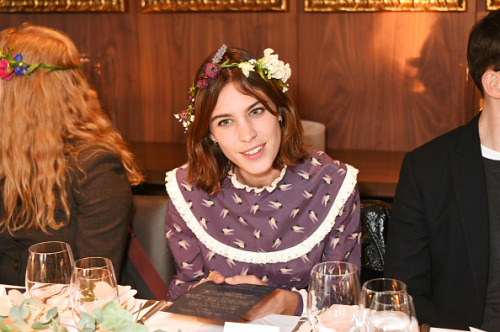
[310, 214]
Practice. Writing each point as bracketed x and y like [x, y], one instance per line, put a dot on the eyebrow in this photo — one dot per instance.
[226, 115]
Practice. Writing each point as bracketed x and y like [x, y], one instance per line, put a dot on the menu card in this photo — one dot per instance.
[220, 301]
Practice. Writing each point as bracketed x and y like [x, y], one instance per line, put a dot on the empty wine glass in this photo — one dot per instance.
[93, 285]
[333, 297]
[48, 273]
[390, 312]
[370, 289]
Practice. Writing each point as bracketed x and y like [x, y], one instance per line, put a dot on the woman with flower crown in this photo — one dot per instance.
[252, 205]
[65, 174]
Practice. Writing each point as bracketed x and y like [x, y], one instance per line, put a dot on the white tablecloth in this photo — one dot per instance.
[173, 322]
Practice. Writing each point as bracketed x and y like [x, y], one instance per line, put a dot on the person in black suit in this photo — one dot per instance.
[444, 231]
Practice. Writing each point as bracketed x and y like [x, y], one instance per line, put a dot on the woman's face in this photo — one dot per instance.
[248, 135]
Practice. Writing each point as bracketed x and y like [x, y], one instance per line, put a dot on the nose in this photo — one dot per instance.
[246, 131]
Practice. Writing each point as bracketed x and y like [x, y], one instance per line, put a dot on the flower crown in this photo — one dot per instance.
[268, 67]
[10, 66]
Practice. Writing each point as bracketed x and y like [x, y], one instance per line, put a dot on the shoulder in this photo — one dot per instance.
[177, 177]
[438, 150]
[93, 163]
[439, 144]
[93, 157]
[318, 163]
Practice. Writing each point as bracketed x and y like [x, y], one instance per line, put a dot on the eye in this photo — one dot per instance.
[257, 111]
[224, 122]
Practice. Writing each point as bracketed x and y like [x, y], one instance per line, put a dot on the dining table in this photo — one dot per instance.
[172, 322]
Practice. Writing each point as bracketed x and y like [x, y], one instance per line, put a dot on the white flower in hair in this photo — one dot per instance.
[280, 72]
[246, 68]
[269, 60]
[268, 68]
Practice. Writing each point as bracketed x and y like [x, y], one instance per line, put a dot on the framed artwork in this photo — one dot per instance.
[212, 5]
[62, 6]
[384, 5]
[492, 4]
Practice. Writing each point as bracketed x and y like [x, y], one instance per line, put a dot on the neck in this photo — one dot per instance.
[257, 180]
[489, 125]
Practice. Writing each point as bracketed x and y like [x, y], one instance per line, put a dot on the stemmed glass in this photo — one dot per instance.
[386, 306]
[93, 285]
[333, 297]
[48, 273]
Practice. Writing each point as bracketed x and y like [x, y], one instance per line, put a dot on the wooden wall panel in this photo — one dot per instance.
[182, 41]
[379, 81]
[384, 81]
[111, 39]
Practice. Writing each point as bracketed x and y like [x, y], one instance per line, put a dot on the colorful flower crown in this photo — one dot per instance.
[10, 66]
[268, 67]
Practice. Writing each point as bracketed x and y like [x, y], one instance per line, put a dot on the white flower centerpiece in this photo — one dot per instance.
[19, 314]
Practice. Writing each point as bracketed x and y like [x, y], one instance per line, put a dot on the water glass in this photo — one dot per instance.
[389, 312]
[93, 285]
[386, 306]
[375, 286]
[48, 273]
[333, 297]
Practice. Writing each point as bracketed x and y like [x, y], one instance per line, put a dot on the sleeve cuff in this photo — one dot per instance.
[302, 295]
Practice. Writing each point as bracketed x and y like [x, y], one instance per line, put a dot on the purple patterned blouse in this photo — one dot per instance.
[309, 214]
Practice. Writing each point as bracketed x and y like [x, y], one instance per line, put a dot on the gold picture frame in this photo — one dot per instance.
[11, 6]
[492, 4]
[148, 6]
[384, 5]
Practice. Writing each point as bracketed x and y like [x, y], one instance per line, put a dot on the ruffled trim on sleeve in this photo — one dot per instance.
[238, 185]
[303, 295]
[280, 256]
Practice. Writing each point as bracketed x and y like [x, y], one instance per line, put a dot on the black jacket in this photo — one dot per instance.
[438, 237]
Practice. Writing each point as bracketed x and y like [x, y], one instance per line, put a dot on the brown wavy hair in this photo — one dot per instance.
[48, 119]
[208, 165]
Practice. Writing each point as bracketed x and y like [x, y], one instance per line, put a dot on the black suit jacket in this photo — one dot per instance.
[438, 234]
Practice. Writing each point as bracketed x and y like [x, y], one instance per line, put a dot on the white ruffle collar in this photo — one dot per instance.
[279, 256]
[237, 184]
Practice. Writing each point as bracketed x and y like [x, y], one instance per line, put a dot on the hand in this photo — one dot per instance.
[247, 279]
[280, 301]
[215, 276]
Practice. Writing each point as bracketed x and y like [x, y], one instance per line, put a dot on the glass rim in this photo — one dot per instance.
[384, 280]
[64, 247]
[350, 268]
[105, 261]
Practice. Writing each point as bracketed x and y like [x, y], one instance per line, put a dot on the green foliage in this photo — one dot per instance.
[111, 318]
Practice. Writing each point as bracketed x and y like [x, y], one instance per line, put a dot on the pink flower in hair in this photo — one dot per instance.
[212, 70]
[5, 71]
[202, 83]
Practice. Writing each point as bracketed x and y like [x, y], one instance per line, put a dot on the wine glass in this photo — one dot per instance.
[368, 292]
[390, 311]
[333, 297]
[48, 273]
[414, 327]
[93, 285]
